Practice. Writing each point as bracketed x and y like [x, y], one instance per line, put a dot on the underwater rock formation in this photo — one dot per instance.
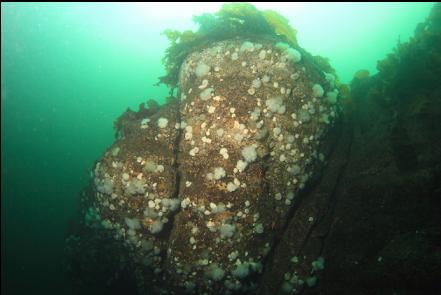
[254, 182]
[198, 191]
[377, 204]
[253, 120]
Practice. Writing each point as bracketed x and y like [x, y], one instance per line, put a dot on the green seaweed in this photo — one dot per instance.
[235, 20]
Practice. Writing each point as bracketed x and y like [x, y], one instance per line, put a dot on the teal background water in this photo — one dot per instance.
[69, 70]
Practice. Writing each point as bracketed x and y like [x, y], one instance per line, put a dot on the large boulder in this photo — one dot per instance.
[254, 181]
[199, 192]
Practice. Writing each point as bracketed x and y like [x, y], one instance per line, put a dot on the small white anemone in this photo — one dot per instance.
[162, 122]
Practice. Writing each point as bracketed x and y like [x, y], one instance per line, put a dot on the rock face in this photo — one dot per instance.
[199, 192]
[243, 187]
[252, 116]
[376, 207]
[376, 221]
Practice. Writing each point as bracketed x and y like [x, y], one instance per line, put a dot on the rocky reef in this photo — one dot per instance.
[266, 176]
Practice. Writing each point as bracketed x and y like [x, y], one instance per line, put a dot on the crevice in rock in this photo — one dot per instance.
[176, 151]
[335, 145]
[333, 197]
[342, 160]
[175, 195]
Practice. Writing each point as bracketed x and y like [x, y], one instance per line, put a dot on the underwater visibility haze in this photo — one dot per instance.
[220, 148]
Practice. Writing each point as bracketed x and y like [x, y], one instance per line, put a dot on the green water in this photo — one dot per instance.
[69, 70]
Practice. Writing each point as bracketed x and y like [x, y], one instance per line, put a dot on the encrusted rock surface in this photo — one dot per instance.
[251, 183]
[200, 191]
[242, 185]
